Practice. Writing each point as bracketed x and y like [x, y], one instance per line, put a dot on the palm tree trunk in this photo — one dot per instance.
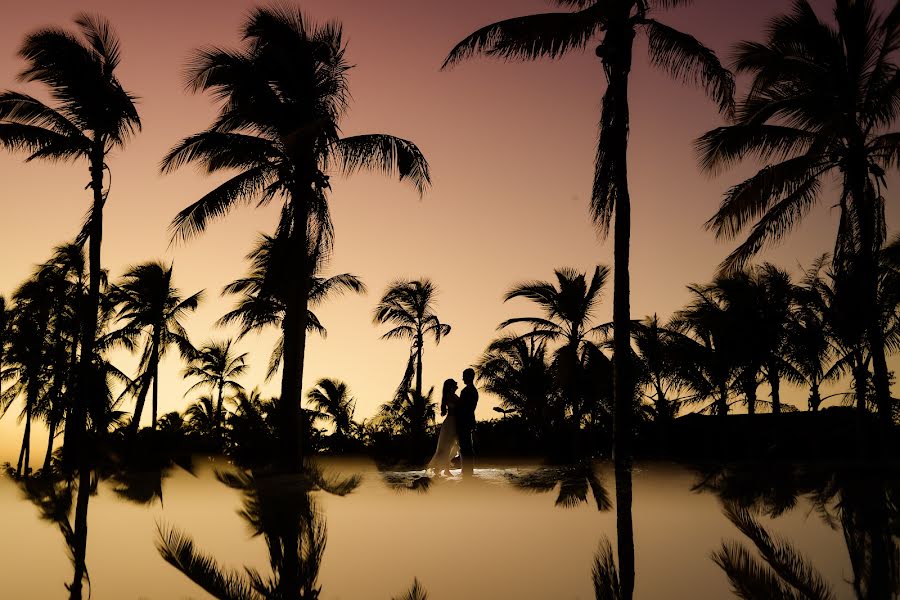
[51, 434]
[24, 453]
[775, 386]
[722, 401]
[75, 426]
[815, 397]
[865, 204]
[154, 366]
[616, 52]
[420, 346]
[139, 406]
[218, 416]
[294, 331]
[749, 385]
[79, 542]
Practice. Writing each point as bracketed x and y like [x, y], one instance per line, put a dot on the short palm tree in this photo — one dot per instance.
[568, 309]
[203, 418]
[216, 366]
[655, 344]
[261, 293]
[332, 399]
[407, 306]
[283, 95]
[704, 349]
[810, 349]
[27, 358]
[822, 100]
[94, 115]
[149, 307]
[515, 369]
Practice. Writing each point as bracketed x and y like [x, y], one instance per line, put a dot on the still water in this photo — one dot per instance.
[512, 532]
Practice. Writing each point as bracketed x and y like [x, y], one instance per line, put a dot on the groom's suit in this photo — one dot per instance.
[465, 425]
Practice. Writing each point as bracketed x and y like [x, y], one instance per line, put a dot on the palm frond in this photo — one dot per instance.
[388, 154]
[547, 35]
[686, 59]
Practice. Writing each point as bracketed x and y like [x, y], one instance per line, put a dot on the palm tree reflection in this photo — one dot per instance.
[575, 482]
[280, 509]
[861, 502]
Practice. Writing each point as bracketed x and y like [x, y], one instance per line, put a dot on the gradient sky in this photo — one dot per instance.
[511, 148]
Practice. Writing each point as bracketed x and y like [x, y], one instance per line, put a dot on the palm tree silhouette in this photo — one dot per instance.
[703, 346]
[286, 516]
[408, 307]
[568, 309]
[515, 369]
[151, 309]
[552, 35]
[262, 292]
[332, 399]
[811, 350]
[203, 418]
[282, 97]
[27, 357]
[819, 105]
[216, 366]
[94, 115]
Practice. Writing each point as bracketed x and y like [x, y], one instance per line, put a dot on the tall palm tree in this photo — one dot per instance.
[568, 310]
[94, 115]
[152, 309]
[282, 98]
[216, 366]
[615, 23]
[408, 307]
[333, 401]
[262, 292]
[822, 99]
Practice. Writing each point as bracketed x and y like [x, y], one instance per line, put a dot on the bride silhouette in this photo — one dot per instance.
[448, 440]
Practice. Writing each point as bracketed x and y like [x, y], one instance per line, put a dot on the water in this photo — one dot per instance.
[510, 533]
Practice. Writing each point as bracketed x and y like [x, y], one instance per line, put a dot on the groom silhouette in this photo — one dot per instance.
[465, 421]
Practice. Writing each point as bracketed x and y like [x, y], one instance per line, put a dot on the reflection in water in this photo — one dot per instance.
[862, 502]
[282, 510]
[574, 481]
[53, 496]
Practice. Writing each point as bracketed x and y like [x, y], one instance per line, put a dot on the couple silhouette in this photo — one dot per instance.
[458, 426]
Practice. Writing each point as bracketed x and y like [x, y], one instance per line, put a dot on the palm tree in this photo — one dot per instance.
[151, 309]
[283, 95]
[568, 310]
[94, 116]
[203, 417]
[617, 22]
[333, 401]
[515, 370]
[27, 357]
[704, 348]
[810, 349]
[821, 100]
[408, 306]
[216, 366]
[262, 292]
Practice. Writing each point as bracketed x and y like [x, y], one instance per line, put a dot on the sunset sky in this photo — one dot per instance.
[511, 148]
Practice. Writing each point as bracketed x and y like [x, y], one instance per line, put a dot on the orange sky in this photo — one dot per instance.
[511, 148]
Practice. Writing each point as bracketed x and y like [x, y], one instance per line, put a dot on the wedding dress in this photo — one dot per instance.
[448, 440]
